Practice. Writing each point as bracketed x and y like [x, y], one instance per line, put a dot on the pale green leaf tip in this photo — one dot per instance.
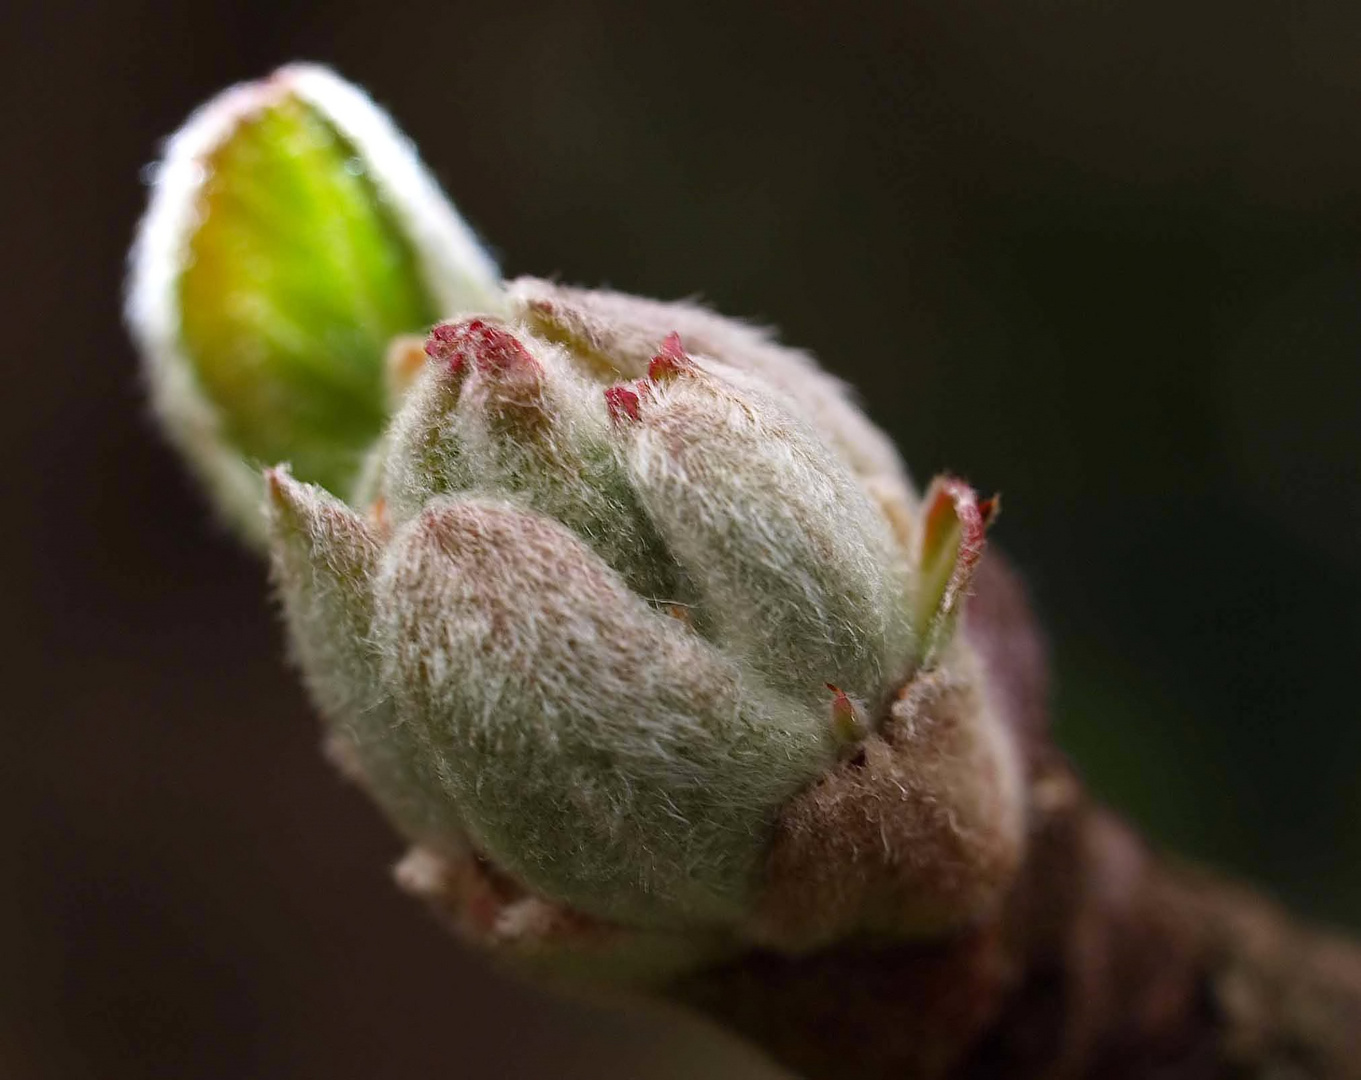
[292, 234]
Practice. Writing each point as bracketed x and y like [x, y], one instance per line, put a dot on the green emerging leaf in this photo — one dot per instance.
[297, 280]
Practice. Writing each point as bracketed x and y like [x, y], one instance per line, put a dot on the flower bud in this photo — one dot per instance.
[618, 628]
[292, 234]
[623, 612]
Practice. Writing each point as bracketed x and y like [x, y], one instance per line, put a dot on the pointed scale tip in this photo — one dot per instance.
[952, 506]
[278, 481]
[283, 498]
[951, 543]
[622, 404]
[671, 360]
[492, 349]
[847, 719]
[445, 346]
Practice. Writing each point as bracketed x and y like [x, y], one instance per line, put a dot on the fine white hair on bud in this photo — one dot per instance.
[617, 335]
[795, 566]
[292, 233]
[606, 632]
[422, 454]
[510, 416]
[599, 750]
[324, 558]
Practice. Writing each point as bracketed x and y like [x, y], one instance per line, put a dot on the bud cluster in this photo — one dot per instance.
[607, 631]
[623, 612]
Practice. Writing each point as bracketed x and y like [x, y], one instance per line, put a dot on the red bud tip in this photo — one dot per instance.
[671, 360]
[622, 403]
[443, 345]
[988, 510]
[491, 348]
[846, 718]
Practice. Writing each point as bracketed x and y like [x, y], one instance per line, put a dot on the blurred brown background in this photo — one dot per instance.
[1104, 257]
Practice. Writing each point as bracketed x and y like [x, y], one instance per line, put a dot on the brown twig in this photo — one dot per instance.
[1107, 960]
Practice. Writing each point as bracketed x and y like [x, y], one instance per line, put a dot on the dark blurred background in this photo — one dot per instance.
[1104, 257]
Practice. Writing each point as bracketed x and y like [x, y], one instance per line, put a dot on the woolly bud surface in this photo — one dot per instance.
[605, 617]
[599, 749]
[324, 558]
[623, 612]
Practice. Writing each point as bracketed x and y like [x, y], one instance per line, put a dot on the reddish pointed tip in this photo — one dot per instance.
[950, 543]
[846, 718]
[491, 348]
[671, 360]
[951, 501]
[842, 706]
[622, 404]
[275, 480]
[283, 495]
[443, 345]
